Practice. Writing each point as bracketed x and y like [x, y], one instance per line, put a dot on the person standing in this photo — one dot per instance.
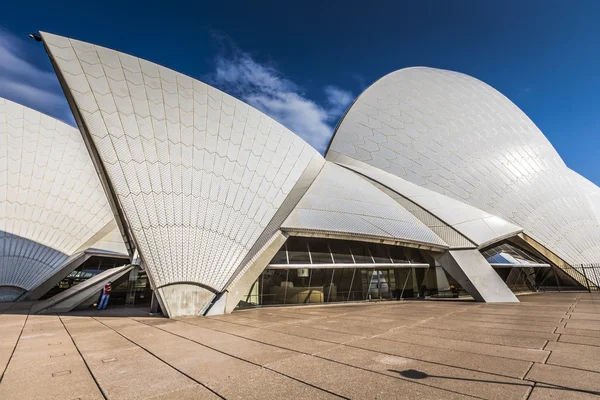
[105, 295]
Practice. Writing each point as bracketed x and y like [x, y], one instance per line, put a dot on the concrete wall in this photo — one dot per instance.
[184, 299]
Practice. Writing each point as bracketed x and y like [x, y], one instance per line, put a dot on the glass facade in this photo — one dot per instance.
[523, 271]
[314, 271]
[507, 253]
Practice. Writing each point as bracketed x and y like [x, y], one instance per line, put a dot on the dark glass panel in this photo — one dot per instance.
[274, 283]
[405, 283]
[320, 281]
[297, 250]
[414, 256]
[319, 251]
[342, 282]
[380, 253]
[280, 257]
[299, 289]
[387, 283]
[356, 286]
[397, 254]
[361, 253]
[341, 252]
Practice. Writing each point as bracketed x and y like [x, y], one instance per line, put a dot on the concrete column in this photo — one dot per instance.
[184, 299]
[476, 276]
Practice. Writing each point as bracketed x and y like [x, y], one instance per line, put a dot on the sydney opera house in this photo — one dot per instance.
[434, 185]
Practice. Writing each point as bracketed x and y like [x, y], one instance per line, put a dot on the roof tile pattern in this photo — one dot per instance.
[341, 202]
[51, 200]
[478, 226]
[457, 136]
[447, 233]
[198, 173]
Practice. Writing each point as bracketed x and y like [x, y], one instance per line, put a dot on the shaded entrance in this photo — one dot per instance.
[527, 271]
[316, 271]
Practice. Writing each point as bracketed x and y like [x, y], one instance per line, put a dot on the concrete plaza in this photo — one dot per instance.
[547, 346]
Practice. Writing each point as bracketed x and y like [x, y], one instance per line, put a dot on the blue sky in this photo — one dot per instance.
[304, 61]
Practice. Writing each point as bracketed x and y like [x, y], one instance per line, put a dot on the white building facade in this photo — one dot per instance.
[429, 170]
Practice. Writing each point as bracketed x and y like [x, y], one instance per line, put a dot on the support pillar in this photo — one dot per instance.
[476, 276]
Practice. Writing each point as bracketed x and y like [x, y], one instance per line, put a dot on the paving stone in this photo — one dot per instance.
[460, 380]
[222, 326]
[574, 356]
[578, 332]
[231, 377]
[46, 365]
[492, 326]
[356, 383]
[503, 317]
[590, 341]
[255, 323]
[191, 393]
[408, 349]
[353, 327]
[585, 315]
[544, 392]
[583, 324]
[292, 342]
[123, 370]
[386, 319]
[10, 329]
[477, 328]
[513, 322]
[477, 362]
[314, 333]
[252, 351]
[467, 346]
[565, 377]
[492, 337]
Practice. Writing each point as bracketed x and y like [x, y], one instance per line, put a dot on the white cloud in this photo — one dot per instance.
[236, 72]
[265, 88]
[25, 83]
[338, 99]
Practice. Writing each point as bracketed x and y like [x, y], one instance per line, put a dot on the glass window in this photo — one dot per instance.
[387, 284]
[319, 251]
[320, 285]
[418, 257]
[406, 286]
[280, 257]
[361, 253]
[341, 252]
[297, 250]
[369, 284]
[380, 253]
[273, 286]
[342, 282]
[398, 255]
[355, 292]
[413, 255]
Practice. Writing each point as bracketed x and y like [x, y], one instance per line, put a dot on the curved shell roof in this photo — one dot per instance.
[459, 137]
[198, 174]
[341, 202]
[478, 226]
[51, 200]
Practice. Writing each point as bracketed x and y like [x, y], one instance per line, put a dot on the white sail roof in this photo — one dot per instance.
[341, 202]
[51, 200]
[456, 136]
